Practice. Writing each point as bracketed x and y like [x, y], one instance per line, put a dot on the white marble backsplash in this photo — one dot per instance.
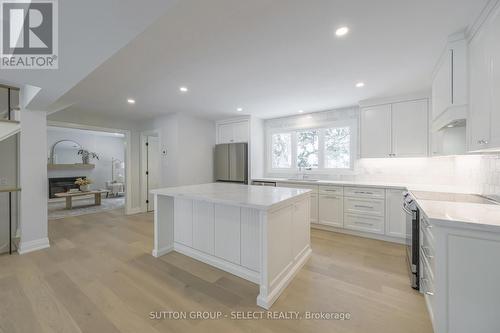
[463, 173]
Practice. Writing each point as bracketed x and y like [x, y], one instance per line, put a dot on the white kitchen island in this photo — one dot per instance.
[261, 234]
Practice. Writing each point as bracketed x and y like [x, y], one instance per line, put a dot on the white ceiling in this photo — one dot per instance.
[273, 57]
[90, 31]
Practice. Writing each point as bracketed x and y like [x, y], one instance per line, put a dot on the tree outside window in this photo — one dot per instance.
[338, 147]
[307, 149]
[281, 153]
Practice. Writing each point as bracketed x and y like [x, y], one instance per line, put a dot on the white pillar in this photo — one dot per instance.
[33, 180]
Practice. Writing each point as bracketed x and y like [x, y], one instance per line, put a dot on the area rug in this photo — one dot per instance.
[82, 206]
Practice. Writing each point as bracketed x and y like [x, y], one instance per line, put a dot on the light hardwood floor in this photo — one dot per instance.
[99, 276]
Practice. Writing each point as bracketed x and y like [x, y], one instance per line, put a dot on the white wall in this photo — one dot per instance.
[107, 147]
[189, 142]
[33, 178]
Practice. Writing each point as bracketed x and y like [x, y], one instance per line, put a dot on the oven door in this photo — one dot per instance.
[412, 240]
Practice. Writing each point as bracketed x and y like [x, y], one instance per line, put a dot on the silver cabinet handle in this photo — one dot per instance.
[363, 223]
[330, 197]
[363, 206]
[427, 252]
[330, 190]
[362, 192]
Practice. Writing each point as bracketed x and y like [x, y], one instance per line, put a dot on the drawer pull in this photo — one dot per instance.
[363, 206]
[362, 192]
[331, 197]
[363, 223]
[423, 282]
[427, 252]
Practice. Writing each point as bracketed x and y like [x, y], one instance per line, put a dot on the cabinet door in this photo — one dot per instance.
[395, 221]
[225, 133]
[376, 131]
[493, 42]
[480, 99]
[410, 128]
[314, 208]
[183, 221]
[203, 226]
[240, 131]
[331, 210]
[227, 233]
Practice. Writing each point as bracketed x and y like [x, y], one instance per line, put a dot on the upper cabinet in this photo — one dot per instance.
[484, 113]
[233, 131]
[395, 130]
[449, 84]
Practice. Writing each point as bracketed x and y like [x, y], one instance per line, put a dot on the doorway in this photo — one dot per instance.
[151, 167]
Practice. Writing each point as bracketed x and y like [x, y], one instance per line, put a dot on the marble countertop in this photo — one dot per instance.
[482, 217]
[258, 197]
[366, 183]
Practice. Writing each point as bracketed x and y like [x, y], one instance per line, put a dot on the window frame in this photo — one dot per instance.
[351, 123]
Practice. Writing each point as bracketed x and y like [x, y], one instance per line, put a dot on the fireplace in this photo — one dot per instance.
[61, 185]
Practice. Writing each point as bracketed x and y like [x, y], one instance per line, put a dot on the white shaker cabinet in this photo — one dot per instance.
[331, 211]
[232, 132]
[410, 128]
[484, 111]
[376, 131]
[395, 220]
[395, 130]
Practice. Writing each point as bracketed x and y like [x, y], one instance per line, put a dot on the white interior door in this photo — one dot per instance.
[153, 168]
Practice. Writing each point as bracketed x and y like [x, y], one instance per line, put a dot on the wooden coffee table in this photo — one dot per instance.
[70, 195]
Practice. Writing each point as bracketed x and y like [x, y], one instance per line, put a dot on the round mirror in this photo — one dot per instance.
[65, 152]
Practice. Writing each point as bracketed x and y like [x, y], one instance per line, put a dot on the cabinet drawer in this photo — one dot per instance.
[364, 192]
[325, 189]
[373, 224]
[373, 207]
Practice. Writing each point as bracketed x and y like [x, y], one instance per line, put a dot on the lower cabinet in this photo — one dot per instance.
[366, 209]
[395, 220]
[331, 210]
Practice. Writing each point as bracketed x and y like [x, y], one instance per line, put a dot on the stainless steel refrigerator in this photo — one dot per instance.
[231, 162]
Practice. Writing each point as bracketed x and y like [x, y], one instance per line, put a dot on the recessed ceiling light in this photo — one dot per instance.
[342, 31]
[183, 89]
[450, 125]
[239, 109]
[360, 85]
[309, 117]
[301, 111]
[131, 101]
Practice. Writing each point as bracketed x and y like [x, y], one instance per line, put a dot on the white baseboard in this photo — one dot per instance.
[132, 211]
[227, 266]
[287, 277]
[162, 251]
[35, 245]
[359, 233]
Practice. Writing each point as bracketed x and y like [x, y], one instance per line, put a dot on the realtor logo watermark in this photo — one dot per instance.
[29, 36]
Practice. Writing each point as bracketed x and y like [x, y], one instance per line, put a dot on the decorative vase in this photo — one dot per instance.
[85, 159]
[84, 188]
